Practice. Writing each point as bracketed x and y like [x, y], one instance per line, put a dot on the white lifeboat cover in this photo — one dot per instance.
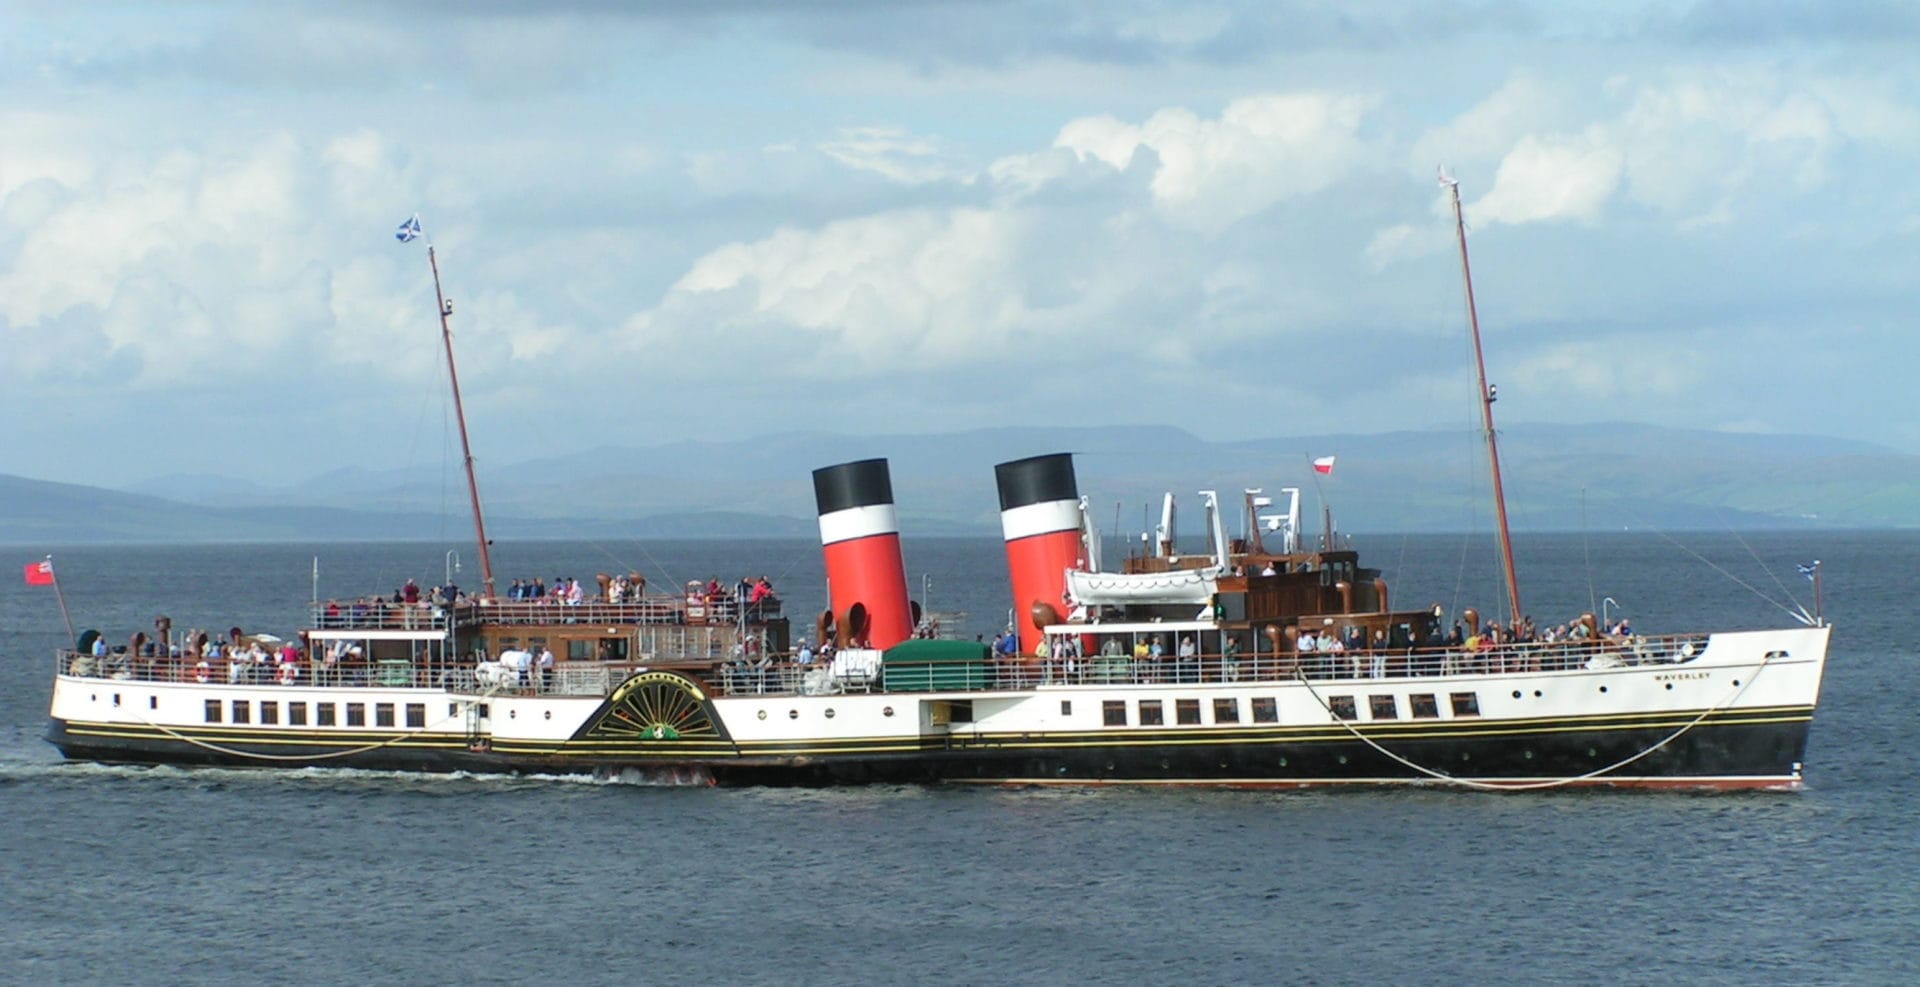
[1181, 586]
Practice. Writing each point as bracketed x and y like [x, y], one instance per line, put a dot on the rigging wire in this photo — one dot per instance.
[1799, 615]
[1784, 591]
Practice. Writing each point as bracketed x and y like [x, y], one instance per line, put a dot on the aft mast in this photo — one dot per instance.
[460, 416]
[1487, 397]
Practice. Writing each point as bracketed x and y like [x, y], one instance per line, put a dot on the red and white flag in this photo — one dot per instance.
[39, 573]
[1323, 465]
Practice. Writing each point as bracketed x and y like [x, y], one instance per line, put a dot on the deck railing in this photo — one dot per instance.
[783, 676]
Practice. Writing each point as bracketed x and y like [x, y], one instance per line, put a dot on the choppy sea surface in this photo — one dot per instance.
[166, 876]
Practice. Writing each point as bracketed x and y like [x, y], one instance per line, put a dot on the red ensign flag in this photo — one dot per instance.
[1323, 465]
[40, 573]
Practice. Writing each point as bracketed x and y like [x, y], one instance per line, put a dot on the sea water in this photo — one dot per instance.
[165, 876]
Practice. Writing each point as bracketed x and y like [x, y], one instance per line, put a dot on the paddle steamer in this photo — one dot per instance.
[1244, 665]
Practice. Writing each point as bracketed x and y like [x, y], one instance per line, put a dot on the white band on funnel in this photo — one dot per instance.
[858, 522]
[1040, 519]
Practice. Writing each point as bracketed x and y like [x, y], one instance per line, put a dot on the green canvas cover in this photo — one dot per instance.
[923, 665]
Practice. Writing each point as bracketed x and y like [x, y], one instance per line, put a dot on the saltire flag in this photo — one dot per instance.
[1809, 570]
[1323, 465]
[39, 573]
[408, 230]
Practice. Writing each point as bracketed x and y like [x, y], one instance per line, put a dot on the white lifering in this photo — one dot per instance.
[202, 672]
[288, 672]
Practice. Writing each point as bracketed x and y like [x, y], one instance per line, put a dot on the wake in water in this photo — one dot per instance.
[17, 771]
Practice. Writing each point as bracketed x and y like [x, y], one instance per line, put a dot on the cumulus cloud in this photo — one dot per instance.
[1211, 173]
[1689, 146]
[1044, 263]
[660, 212]
[1542, 179]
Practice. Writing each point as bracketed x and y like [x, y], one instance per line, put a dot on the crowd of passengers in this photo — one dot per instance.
[1318, 654]
[253, 660]
[410, 606]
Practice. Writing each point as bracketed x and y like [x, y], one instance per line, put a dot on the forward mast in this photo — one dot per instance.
[1487, 397]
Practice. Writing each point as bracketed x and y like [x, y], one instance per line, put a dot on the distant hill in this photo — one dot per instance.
[1559, 477]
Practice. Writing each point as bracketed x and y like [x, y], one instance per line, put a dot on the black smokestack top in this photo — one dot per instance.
[1036, 480]
[861, 484]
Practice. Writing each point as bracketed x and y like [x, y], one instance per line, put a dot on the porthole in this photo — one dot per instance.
[512, 714]
[763, 714]
[1061, 771]
[793, 714]
[829, 712]
[1343, 759]
[1516, 693]
[887, 711]
[1592, 753]
[1527, 754]
[1283, 762]
[1669, 686]
[1536, 693]
[1603, 688]
[1736, 683]
[547, 715]
[1464, 756]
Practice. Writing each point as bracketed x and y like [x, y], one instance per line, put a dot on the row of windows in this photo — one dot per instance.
[1265, 709]
[324, 714]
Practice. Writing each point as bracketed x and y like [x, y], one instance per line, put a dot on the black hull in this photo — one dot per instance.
[1761, 752]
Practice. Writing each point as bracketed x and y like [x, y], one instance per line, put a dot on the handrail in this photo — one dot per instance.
[780, 674]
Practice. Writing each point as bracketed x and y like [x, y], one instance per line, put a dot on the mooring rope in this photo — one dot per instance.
[1534, 785]
[236, 752]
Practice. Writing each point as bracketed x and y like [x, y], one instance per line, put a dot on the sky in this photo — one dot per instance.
[726, 219]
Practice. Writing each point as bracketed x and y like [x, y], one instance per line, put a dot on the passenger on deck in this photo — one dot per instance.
[1269, 570]
[410, 593]
[1188, 668]
[546, 668]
